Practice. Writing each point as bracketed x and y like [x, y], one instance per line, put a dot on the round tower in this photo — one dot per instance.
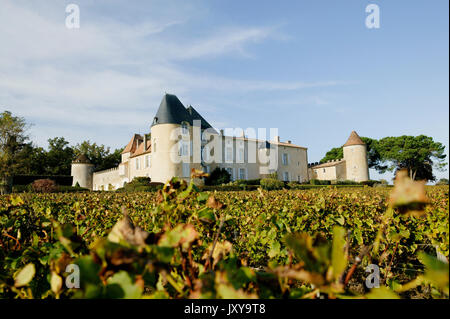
[171, 119]
[355, 156]
[82, 172]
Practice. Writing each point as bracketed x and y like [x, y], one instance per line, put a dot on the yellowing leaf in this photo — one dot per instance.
[24, 276]
[408, 196]
[381, 293]
[56, 282]
[338, 255]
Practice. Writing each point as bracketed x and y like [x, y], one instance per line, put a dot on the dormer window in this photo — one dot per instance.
[184, 128]
[155, 120]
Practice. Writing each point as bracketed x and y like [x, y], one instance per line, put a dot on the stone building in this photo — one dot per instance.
[353, 166]
[181, 139]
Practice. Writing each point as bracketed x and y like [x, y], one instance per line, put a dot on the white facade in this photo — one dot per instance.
[177, 144]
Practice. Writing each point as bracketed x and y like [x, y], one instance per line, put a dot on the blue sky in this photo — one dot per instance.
[309, 68]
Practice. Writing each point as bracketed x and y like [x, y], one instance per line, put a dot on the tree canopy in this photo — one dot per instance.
[19, 156]
[13, 140]
[417, 154]
[99, 155]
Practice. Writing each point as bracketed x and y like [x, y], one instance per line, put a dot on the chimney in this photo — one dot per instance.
[289, 142]
[221, 132]
[277, 139]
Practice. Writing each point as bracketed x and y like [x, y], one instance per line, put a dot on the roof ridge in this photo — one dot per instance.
[354, 139]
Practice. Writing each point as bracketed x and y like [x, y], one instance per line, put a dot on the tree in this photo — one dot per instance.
[59, 157]
[417, 154]
[373, 156]
[334, 154]
[99, 155]
[33, 160]
[218, 176]
[13, 139]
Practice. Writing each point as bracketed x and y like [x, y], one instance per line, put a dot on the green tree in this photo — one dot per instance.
[59, 157]
[99, 155]
[33, 160]
[13, 139]
[417, 154]
[218, 176]
[334, 154]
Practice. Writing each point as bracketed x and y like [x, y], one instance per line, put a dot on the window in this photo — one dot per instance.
[285, 159]
[286, 176]
[147, 161]
[324, 170]
[230, 171]
[241, 155]
[229, 154]
[154, 145]
[186, 170]
[242, 173]
[138, 162]
[183, 149]
[184, 128]
[207, 169]
[205, 153]
[299, 179]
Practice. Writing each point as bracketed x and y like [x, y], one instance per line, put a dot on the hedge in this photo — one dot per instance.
[228, 188]
[59, 189]
[28, 179]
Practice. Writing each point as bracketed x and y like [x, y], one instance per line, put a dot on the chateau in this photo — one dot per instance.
[181, 139]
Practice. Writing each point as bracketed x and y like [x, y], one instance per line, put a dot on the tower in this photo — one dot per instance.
[172, 120]
[355, 156]
[82, 172]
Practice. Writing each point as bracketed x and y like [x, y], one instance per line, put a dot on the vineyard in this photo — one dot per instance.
[183, 243]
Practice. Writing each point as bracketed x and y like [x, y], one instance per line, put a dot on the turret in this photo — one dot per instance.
[82, 172]
[170, 117]
[355, 156]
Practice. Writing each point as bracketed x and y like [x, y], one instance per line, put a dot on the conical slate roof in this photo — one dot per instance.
[196, 116]
[171, 111]
[82, 159]
[354, 139]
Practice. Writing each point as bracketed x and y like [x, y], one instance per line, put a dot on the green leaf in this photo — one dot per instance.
[340, 220]
[25, 275]
[382, 293]
[203, 197]
[206, 215]
[301, 245]
[274, 249]
[436, 271]
[123, 281]
[88, 270]
[338, 256]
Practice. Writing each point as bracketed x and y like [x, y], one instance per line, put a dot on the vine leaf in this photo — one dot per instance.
[25, 275]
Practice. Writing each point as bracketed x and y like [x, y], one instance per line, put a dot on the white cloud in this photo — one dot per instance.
[109, 72]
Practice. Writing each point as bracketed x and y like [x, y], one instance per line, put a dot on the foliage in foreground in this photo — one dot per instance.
[182, 243]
